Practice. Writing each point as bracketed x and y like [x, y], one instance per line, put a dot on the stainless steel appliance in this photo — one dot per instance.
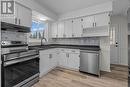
[13, 27]
[20, 66]
[20, 69]
[89, 62]
[13, 46]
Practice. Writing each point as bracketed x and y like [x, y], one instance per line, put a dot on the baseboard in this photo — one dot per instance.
[120, 65]
[68, 68]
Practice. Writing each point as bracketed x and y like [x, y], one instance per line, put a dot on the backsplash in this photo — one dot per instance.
[13, 36]
[77, 41]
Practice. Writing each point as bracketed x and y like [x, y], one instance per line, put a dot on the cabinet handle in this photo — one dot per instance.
[73, 50]
[64, 35]
[50, 56]
[81, 19]
[15, 20]
[19, 21]
[72, 35]
[56, 36]
[95, 24]
[67, 55]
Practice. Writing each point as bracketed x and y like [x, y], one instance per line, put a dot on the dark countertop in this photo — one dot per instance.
[50, 46]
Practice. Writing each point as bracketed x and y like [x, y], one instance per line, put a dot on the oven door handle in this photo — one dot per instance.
[7, 63]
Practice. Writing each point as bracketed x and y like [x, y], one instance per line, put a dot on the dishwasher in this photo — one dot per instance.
[90, 62]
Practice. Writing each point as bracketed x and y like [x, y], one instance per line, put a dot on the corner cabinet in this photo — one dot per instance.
[48, 61]
[44, 63]
[22, 16]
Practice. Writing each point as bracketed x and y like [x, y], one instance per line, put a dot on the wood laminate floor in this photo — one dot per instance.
[60, 77]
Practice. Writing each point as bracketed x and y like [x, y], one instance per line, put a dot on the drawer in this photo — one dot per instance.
[67, 50]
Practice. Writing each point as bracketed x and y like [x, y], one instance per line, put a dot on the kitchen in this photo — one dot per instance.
[65, 43]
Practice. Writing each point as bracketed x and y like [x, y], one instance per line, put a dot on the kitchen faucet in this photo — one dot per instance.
[42, 40]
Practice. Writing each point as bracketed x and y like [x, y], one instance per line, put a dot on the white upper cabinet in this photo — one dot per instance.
[88, 22]
[77, 28]
[102, 20]
[61, 29]
[96, 20]
[68, 28]
[22, 16]
[54, 29]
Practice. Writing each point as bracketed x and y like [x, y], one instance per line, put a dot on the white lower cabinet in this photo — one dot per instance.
[69, 60]
[73, 61]
[53, 60]
[49, 59]
[44, 63]
[62, 60]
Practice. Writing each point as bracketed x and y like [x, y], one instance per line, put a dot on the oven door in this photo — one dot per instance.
[19, 72]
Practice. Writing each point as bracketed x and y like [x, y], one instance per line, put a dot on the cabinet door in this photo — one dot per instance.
[54, 28]
[53, 60]
[73, 61]
[88, 22]
[44, 63]
[24, 16]
[60, 29]
[63, 60]
[68, 28]
[77, 28]
[102, 19]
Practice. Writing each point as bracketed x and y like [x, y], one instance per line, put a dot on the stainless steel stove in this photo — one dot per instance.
[20, 66]
[20, 69]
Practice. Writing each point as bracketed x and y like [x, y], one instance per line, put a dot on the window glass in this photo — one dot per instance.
[37, 30]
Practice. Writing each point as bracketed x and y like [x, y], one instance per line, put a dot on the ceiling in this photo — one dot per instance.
[60, 7]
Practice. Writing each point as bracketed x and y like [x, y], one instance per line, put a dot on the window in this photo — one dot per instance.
[37, 30]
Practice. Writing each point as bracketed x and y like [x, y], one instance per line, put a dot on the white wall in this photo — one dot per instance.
[105, 54]
[122, 22]
[105, 7]
[37, 7]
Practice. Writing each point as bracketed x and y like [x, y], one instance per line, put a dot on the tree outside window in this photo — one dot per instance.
[37, 30]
